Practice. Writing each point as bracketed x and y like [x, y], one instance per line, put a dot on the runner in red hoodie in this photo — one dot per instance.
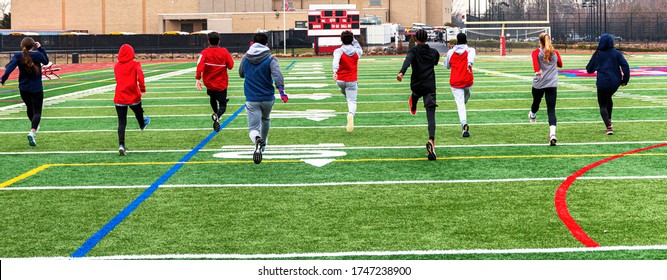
[460, 59]
[212, 66]
[129, 89]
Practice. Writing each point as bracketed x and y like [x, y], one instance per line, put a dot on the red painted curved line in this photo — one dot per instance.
[561, 196]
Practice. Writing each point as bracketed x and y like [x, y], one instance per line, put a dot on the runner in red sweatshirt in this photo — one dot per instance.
[212, 66]
[460, 59]
[129, 89]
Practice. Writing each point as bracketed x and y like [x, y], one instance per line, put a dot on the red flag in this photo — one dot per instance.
[286, 5]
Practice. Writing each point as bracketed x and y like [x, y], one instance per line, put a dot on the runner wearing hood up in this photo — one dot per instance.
[260, 70]
[606, 61]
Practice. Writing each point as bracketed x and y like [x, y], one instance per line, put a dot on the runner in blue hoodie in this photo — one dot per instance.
[260, 70]
[606, 61]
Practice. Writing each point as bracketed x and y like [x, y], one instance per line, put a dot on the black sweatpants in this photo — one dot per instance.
[122, 119]
[33, 102]
[606, 104]
[429, 105]
[550, 95]
[218, 97]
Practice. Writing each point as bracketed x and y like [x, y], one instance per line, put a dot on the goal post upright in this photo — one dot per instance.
[503, 23]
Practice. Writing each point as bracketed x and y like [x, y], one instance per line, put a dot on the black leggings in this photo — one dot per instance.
[550, 95]
[429, 105]
[218, 97]
[606, 104]
[33, 102]
[122, 119]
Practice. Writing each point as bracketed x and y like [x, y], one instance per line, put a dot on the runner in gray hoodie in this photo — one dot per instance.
[545, 82]
[260, 70]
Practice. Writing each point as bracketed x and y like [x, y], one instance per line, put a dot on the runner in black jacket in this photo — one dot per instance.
[423, 60]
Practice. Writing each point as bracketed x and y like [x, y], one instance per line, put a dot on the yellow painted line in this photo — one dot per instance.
[45, 166]
[353, 160]
[25, 175]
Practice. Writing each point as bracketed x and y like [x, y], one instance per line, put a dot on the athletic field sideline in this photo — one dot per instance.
[185, 192]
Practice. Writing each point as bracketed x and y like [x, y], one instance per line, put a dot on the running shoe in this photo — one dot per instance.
[257, 155]
[609, 131]
[413, 109]
[216, 122]
[465, 132]
[430, 150]
[121, 151]
[147, 120]
[552, 140]
[532, 120]
[350, 122]
[31, 139]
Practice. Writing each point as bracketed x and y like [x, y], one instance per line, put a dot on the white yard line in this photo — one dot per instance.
[385, 253]
[336, 184]
[337, 113]
[330, 127]
[101, 89]
[334, 147]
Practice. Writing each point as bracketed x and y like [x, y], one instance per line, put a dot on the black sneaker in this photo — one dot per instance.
[257, 155]
[465, 132]
[216, 122]
[552, 140]
[430, 150]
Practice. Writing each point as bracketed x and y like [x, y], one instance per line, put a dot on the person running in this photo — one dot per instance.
[606, 61]
[129, 89]
[545, 82]
[260, 70]
[423, 60]
[460, 60]
[345, 67]
[212, 66]
[30, 61]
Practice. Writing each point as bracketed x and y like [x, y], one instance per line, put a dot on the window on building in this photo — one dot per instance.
[187, 27]
[204, 26]
[301, 24]
[376, 2]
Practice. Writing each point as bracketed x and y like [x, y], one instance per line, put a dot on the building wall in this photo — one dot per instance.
[148, 16]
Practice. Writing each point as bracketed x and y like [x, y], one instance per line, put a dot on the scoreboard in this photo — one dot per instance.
[332, 22]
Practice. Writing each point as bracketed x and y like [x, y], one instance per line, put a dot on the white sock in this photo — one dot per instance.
[552, 130]
[532, 115]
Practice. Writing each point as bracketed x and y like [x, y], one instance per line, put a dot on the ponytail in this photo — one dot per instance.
[545, 41]
[30, 68]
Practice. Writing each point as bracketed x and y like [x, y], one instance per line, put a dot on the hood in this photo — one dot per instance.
[460, 49]
[349, 50]
[126, 53]
[257, 53]
[606, 42]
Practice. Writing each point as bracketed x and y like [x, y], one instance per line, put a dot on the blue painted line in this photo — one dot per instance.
[290, 66]
[97, 237]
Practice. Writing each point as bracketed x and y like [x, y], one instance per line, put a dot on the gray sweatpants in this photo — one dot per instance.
[259, 120]
[349, 89]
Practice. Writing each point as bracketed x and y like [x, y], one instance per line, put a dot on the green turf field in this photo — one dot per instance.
[322, 192]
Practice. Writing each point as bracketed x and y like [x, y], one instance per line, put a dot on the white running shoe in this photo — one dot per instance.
[350, 122]
[121, 151]
[552, 140]
[31, 138]
[531, 118]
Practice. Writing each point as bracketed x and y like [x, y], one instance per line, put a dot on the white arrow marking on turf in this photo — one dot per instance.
[313, 115]
[306, 78]
[305, 85]
[318, 162]
[314, 96]
[306, 73]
